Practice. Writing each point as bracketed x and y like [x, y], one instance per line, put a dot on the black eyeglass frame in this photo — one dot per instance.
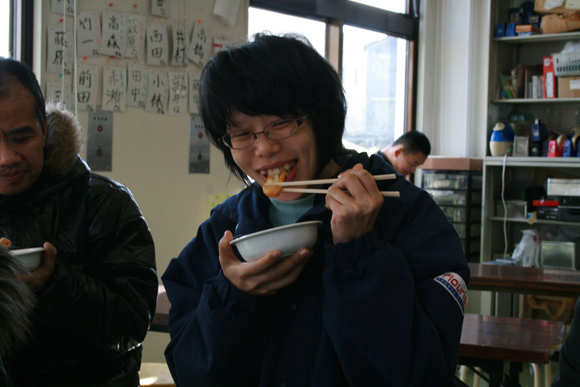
[299, 121]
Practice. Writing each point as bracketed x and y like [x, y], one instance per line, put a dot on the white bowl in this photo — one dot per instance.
[29, 258]
[288, 239]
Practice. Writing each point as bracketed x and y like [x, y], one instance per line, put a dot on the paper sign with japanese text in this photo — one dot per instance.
[59, 51]
[180, 41]
[157, 91]
[136, 85]
[177, 93]
[161, 8]
[199, 45]
[88, 34]
[157, 45]
[114, 88]
[135, 41]
[59, 7]
[113, 38]
[56, 93]
[194, 92]
[87, 87]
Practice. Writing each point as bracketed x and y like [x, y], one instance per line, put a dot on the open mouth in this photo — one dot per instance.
[274, 174]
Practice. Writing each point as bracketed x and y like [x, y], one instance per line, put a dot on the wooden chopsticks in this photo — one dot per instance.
[390, 176]
[285, 184]
[323, 191]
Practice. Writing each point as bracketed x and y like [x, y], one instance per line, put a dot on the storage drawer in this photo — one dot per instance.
[445, 180]
[517, 209]
[454, 198]
[459, 214]
[461, 228]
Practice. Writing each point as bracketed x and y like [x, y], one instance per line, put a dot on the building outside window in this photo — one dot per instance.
[5, 28]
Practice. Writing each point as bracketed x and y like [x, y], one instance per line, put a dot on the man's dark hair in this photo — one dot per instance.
[414, 142]
[12, 71]
[273, 75]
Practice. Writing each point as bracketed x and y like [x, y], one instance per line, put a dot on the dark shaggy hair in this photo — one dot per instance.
[16, 303]
[273, 75]
[14, 71]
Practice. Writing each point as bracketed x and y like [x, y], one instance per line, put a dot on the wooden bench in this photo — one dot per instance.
[491, 342]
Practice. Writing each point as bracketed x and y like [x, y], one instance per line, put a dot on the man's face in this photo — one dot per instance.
[407, 163]
[22, 141]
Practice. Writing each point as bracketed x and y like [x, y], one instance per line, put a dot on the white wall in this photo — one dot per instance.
[150, 151]
[452, 76]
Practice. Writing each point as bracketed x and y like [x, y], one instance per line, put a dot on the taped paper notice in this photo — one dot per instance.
[227, 11]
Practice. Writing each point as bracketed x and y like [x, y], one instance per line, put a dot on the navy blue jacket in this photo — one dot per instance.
[376, 310]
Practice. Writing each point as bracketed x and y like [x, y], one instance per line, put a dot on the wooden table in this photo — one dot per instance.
[524, 280]
[160, 321]
[491, 341]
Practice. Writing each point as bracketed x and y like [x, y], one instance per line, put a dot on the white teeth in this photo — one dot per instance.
[276, 171]
[264, 172]
[286, 166]
[270, 171]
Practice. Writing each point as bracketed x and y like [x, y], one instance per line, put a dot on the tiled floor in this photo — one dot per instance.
[526, 377]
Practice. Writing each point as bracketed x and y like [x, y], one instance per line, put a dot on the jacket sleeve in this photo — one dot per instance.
[389, 317]
[108, 298]
[224, 325]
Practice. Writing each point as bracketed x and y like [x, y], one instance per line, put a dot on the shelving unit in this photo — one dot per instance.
[455, 185]
[511, 175]
[506, 53]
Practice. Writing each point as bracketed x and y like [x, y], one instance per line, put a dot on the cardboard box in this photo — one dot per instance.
[527, 29]
[550, 82]
[569, 6]
[553, 24]
[569, 87]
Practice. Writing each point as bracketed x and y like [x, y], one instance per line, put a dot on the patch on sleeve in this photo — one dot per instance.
[455, 285]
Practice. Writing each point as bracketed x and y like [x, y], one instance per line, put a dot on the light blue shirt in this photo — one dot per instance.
[282, 213]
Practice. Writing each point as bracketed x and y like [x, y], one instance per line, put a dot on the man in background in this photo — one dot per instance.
[96, 285]
[408, 152]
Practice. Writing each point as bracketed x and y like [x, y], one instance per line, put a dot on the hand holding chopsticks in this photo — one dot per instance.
[285, 184]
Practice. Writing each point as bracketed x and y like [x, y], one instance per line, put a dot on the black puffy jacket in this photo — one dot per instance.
[95, 310]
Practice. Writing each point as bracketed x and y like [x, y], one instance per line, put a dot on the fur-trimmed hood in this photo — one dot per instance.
[63, 142]
[16, 303]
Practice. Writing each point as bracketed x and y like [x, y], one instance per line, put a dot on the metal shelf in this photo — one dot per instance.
[554, 162]
[536, 101]
[538, 38]
[538, 221]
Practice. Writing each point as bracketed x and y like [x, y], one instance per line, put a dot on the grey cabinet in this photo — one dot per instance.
[456, 186]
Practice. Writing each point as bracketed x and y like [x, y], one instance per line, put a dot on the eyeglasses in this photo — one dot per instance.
[279, 130]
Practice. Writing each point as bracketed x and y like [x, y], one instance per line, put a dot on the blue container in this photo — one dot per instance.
[501, 141]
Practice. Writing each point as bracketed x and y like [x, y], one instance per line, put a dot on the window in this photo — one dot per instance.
[374, 54]
[5, 28]
[261, 20]
[388, 5]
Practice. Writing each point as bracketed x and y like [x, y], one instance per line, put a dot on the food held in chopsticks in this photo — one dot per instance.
[271, 188]
[5, 242]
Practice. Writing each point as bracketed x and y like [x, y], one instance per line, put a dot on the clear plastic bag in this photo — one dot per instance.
[528, 250]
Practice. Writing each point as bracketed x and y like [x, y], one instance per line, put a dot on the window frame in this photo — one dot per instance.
[337, 13]
[22, 30]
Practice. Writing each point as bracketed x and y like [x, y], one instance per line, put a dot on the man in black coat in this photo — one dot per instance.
[96, 285]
